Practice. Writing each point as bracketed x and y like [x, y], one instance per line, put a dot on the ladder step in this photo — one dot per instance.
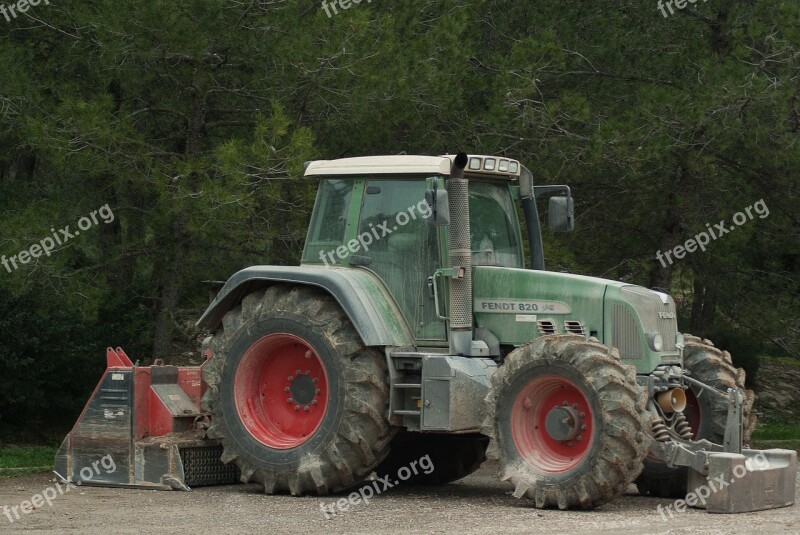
[407, 413]
[407, 385]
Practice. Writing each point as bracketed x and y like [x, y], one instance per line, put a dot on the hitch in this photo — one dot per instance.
[728, 478]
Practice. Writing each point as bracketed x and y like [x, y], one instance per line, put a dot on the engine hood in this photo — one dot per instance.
[518, 305]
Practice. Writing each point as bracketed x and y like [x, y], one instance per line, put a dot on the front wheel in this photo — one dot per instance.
[568, 421]
[298, 402]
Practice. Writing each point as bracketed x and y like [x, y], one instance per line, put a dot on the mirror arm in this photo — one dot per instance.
[544, 190]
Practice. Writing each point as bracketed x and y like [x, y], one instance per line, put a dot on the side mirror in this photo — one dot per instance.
[439, 206]
[561, 216]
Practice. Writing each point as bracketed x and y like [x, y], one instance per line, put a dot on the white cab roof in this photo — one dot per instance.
[407, 165]
[381, 165]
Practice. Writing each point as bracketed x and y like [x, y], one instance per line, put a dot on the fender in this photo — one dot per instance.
[360, 293]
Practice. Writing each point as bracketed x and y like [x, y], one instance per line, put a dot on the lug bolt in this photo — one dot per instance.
[564, 403]
[308, 372]
[582, 414]
[289, 400]
[316, 390]
[305, 409]
[297, 407]
[290, 378]
[315, 380]
[527, 403]
[313, 401]
[286, 389]
[583, 427]
[579, 438]
[308, 354]
[574, 405]
[297, 372]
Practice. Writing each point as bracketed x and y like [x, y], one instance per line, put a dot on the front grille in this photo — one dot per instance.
[648, 305]
[627, 337]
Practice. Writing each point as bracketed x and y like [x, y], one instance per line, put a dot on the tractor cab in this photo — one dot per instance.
[378, 213]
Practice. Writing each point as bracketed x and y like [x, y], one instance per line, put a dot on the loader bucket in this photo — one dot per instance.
[753, 481]
[143, 427]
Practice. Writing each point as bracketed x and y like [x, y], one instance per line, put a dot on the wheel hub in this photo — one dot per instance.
[563, 423]
[303, 389]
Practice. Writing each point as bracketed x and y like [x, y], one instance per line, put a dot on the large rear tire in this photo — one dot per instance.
[568, 421]
[452, 456]
[706, 415]
[298, 402]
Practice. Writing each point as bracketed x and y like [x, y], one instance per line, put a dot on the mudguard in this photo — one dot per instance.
[359, 292]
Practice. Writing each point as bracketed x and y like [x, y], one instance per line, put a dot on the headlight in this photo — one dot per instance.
[656, 341]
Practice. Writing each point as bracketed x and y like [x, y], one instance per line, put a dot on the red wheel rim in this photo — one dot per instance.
[281, 391]
[530, 435]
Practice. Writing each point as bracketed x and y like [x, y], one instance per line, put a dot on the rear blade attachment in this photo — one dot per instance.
[143, 427]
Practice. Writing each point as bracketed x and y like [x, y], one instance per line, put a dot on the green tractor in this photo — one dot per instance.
[413, 328]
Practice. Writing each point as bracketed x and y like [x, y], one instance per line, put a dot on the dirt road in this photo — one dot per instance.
[477, 504]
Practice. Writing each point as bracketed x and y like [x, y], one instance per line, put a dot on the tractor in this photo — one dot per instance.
[412, 327]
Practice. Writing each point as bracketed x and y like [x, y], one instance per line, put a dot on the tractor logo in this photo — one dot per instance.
[666, 315]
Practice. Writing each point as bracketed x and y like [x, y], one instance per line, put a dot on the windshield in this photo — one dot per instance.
[493, 224]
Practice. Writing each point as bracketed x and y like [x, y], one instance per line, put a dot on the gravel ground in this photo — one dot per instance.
[477, 504]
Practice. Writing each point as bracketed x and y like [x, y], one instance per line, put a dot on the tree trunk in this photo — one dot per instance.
[661, 272]
[704, 305]
[170, 293]
[179, 240]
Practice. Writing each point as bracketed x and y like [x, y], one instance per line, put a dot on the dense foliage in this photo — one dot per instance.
[191, 121]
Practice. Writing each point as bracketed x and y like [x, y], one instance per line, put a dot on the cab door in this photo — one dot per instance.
[405, 250]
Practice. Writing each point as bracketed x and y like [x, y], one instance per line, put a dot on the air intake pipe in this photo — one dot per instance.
[460, 253]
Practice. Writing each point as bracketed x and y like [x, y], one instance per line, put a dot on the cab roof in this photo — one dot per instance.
[477, 165]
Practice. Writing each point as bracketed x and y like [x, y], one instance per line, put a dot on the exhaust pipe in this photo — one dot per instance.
[460, 252]
[672, 400]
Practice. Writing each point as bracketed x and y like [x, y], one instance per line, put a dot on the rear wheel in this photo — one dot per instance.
[706, 415]
[452, 456]
[568, 421]
[296, 399]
